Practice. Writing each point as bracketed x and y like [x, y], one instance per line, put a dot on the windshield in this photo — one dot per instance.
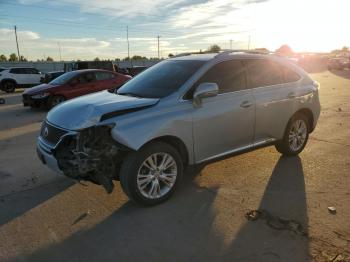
[161, 79]
[63, 79]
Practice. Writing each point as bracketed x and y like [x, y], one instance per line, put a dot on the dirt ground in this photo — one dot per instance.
[46, 217]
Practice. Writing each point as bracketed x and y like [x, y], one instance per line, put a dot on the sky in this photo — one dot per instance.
[85, 29]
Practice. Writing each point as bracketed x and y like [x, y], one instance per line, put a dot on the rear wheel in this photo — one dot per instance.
[8, 86]
[55, 100]
[295, 137]
[150, 176]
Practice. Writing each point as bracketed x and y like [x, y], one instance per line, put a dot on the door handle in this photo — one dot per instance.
[246, 104]
[291, 95]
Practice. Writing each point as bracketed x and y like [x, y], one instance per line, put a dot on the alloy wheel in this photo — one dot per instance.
[157, 175]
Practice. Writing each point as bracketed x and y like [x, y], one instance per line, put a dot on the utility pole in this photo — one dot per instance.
[158, 47]
[19, 57]
[127, 39]
[231, 44]
[59, 49]
[249, 43]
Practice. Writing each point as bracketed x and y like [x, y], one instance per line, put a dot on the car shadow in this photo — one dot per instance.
[16, 204]
[182, 229]
[173, 231]
[341, 73]
[269, 238]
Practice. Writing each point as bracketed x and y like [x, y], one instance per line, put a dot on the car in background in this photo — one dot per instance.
[135, 70]
[339, 63]
[12, 78]
[51, 76]
[70, 85]
[80, 65]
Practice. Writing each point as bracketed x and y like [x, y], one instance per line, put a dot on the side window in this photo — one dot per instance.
[229, 76]
[262, 72]
[103, 76]
[16, 71]
[290, 76]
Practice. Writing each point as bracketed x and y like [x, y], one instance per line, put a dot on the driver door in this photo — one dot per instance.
[224, 123]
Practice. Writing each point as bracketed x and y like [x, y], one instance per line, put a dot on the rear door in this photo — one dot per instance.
[275, 99]
[224, 123]
[105, 80]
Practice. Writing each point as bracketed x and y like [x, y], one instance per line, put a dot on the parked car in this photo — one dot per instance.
[14, 77]
[338, 63]
[183, 111]
[135, 70]
[51, 76]
[80, 65]
[70, 85]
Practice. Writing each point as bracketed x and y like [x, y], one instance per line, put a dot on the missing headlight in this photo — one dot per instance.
[91, 155]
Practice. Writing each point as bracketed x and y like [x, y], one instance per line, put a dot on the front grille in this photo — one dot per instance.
[50, 133]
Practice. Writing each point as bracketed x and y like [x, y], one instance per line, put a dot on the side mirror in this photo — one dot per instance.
[204, 90]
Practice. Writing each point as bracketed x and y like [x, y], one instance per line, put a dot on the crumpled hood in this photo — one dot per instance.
[37, 89]
[87, 110]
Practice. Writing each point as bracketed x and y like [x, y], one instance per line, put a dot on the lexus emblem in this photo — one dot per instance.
[46, 132]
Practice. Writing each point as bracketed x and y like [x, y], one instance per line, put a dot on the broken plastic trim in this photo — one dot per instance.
[92, 155]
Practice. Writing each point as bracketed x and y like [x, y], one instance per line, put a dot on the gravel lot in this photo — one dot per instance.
[46, 217]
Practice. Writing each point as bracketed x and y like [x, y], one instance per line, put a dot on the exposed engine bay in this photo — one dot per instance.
[91, 155]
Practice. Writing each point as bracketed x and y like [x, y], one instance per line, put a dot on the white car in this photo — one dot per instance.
[11, 78]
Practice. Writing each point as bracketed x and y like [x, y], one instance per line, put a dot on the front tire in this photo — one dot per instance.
[295, 137]
[55, 100]
[150, 176]
[8, 86]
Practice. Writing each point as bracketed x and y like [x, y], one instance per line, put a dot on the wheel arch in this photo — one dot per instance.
[308, 113]
[8, 79]
[176, 142]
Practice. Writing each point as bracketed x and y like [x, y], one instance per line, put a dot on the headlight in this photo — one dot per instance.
[40, 95]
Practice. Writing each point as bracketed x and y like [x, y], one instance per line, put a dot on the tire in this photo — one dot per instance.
[8, 86]
[54, 101]
[134, 174]
[293, 146]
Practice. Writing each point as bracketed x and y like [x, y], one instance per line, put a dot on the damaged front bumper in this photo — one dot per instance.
[90, 154]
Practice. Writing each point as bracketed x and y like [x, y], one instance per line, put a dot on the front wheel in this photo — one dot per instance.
[150, 176]
[295, 137]
[9, 86]
[55, 100]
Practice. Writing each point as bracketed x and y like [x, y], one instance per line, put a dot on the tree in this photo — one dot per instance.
[23, 59]
[138, 57]
[345, 49]
[214, 49]
[285, 50]
[170, 55]
[49, 59]
[13, 58]
[97, 59]
[3, 58]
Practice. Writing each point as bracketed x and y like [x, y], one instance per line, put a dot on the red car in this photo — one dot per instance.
[72, 84]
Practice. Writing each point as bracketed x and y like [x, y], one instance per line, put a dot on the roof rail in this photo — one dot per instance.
[254, 51]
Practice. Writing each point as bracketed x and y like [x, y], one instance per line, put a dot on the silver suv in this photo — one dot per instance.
[183, 111]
